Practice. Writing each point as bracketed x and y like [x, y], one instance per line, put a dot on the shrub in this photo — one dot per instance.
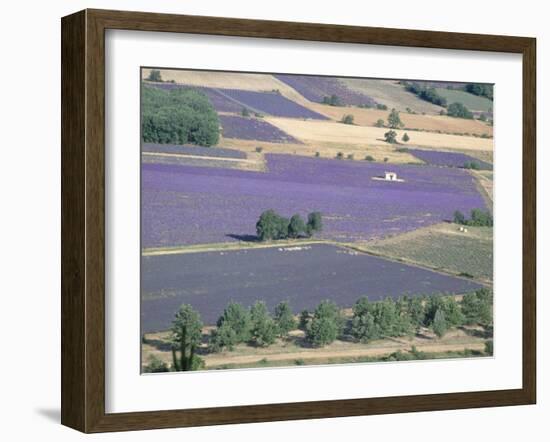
[439, 325]
[380, 106]
[405, 137]
[347, 119]
[296, 227]
[317, 154]
[350, 156]
[391, 137]
[154, 75]
[333, 100]
[489, 347]
[245, 112]
[284, 319]
[325, 325]
[223, 337]
[155, 365]
[339, 155]
[236, 318]
[304, 320]
[369, 158]
[386, 159]
[379, 123]
[474, 165]
[186, 336]
[458, 110]
[314, 223]
[394, 120]
[264, 329]
[477, 307]
[259, 149]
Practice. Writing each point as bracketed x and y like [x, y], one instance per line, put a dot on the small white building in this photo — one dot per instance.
[390, 176]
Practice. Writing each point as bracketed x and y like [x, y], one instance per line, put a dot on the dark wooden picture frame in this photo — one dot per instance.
[83, 220]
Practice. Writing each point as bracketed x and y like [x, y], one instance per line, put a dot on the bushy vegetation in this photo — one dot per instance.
[272, 226]
[405, 137]
[154, 75]
[458, 110]
[347, 119]
[474, 165]
[391, 137]
[325, 325]
[380, 106]
[426, 93]
[386, 318]
[478, 218]
[186, 336]
[483, 90]
[333, 100]
[394, 120]
[178, 116]
[379, 123]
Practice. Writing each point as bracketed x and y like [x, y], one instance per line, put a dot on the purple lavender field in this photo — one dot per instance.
[184, 205]
[253, 129]
[220, 152]
[271, 103]
[316, 88]
[209, 281]
[448, 159]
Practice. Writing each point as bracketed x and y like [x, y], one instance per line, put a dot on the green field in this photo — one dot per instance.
[443, 247]
[471, 101]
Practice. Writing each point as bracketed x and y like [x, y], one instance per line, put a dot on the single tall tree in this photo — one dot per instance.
[186, 336]
[284, 319]
[394, 120]
[296, 227]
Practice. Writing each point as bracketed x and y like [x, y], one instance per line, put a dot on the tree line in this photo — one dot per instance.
[478, 218]
[370, 320]
[178, 116]
[272, 226]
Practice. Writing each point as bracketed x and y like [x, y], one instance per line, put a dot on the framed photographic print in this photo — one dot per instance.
[268, 221]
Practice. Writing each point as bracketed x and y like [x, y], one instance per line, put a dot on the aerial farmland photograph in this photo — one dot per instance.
[298, 220]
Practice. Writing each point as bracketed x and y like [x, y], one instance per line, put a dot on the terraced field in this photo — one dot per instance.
[250, 128]
[391, 93]
[304, 276]
[471, 101]
[444, 124]
[312, 132]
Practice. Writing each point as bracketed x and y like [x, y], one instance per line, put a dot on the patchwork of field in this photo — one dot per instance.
[330, 131]
[444, 247]
[471, 101]
[392, 94]
[184, 205]
[303, 275]
[257, 129]
[434, 123]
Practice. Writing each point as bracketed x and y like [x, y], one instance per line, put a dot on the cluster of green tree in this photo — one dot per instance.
[370, 321]
[483, 90]
[271, 225]
[458, 110]
[254, 326]
[474, 165]
[390, 137]
[478, 218]
[404, 316]
[426, 93]
[154, 75]
[333, 100]
[178, 116]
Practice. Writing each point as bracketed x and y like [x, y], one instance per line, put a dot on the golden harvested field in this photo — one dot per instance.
[390, 93]
[314, 132]
[368, 117]
[325, 149]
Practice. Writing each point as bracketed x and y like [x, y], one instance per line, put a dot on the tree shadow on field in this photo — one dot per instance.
[245, 238]
[485, 334]
[159, 344]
